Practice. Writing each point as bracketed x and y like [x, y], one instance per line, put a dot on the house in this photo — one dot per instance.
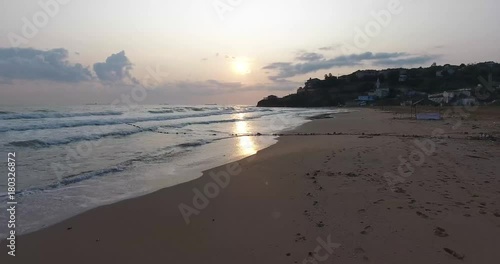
[449, 97]
[437, 98]
[365, 98]
[466, 91]
[466, 101]
[381, 92]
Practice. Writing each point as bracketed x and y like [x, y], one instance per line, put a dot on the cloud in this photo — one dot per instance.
[415, 60]
[331, 48]
[216, 87]
[32, 64]
[116, 69]
[315, 63]
[277, 65]
[309, 56]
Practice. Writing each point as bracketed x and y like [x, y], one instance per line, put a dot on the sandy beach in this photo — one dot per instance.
[381, 188]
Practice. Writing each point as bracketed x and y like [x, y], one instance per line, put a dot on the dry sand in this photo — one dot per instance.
[285, 203]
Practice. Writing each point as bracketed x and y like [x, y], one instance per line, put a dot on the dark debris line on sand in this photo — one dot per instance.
[360, 135]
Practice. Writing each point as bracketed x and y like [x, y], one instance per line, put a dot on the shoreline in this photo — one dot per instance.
[189, 173]
[278, 205]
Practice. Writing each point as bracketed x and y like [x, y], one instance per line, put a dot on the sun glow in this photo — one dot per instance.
[241, 66]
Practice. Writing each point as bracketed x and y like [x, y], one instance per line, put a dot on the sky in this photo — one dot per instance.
[65, 52]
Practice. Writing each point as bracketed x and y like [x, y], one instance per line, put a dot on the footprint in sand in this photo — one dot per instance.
[300, 238]
[454, 253]
[422, 215]
[440, 232]
[359, 250]
[367, 230]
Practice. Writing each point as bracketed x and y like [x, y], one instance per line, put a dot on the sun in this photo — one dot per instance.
[241, 66]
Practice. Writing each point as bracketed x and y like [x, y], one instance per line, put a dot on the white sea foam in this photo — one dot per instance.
[124, 161]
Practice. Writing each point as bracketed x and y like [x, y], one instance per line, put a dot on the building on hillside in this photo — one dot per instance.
[300, 90]
[365, 99]
[381, 92]
[437, 98]
[466, 101]
[403, 78]
[450, 97]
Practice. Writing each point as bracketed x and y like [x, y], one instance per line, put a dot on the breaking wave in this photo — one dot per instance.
[40, 114]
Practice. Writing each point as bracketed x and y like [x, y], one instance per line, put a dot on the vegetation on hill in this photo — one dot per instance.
[402, 84]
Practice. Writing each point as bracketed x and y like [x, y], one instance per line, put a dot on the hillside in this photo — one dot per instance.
[400, 85]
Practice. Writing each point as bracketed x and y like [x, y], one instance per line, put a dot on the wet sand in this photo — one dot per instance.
[346, 197]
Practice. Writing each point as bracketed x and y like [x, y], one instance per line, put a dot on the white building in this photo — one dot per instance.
[448, 97]
[380, 92]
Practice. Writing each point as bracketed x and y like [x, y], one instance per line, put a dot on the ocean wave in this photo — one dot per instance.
[41, 114]
[194, 144]
[232, 120]
[43, 144]
[29, 144]
[196, 109]
[36, 143]
[149, 158]
[169, 111]
[5, 112]
[118, 134]
[117, 121]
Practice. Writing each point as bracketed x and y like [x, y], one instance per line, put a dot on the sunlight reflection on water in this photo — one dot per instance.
[246, 145]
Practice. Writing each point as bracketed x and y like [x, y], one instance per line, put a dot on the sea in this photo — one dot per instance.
[70, 159]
